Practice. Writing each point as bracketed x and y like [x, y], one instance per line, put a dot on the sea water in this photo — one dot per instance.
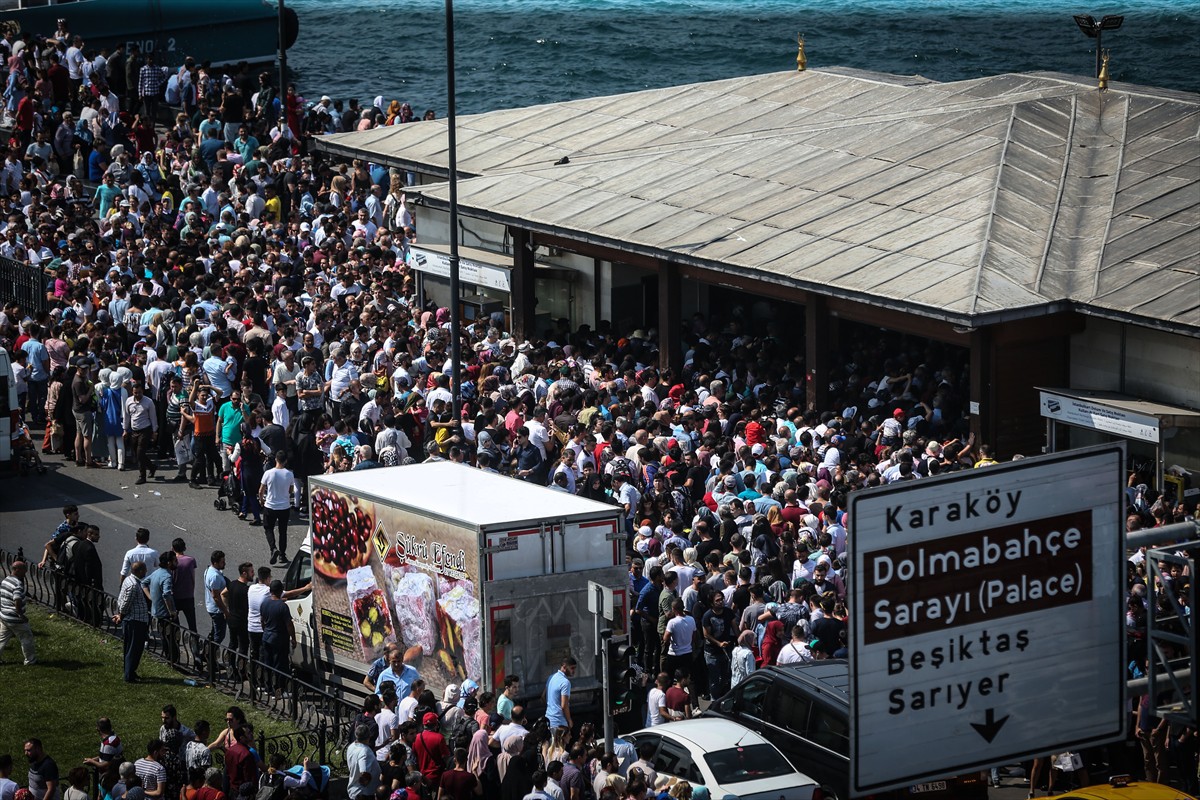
[513, 54]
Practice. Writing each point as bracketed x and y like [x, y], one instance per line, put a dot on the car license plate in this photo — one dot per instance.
[932, 786]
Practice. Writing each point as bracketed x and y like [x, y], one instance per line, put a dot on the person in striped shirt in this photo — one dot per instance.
[151, 770]
[133, 608]
[13, 621]
[111, 748]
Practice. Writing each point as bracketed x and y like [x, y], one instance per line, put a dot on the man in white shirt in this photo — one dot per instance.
[280, 414]
[277, 492]
[656, 701]
[516, 727]
[388, 722]
[539, 435]
[141, 552]
[255, 596]
[408, 706]
[795, 651]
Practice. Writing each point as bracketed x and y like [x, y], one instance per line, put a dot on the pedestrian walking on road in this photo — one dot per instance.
[277, 493]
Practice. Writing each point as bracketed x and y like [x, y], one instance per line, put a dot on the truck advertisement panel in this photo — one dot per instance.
[382, 574]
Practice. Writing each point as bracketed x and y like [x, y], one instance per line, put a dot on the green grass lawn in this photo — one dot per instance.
[77, 680]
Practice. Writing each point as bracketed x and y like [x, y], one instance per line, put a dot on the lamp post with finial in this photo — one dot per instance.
[452, 170]
[1094, 29]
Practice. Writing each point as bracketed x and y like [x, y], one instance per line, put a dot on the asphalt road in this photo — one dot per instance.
[32, 509]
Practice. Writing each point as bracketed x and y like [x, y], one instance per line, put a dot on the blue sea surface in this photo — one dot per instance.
[514, 54]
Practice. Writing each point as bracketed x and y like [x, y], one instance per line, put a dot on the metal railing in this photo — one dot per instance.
[23, 283]
[322, 719]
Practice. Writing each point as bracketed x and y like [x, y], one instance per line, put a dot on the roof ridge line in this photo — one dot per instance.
[1116, 185]
[987, 233]
[1062, 185]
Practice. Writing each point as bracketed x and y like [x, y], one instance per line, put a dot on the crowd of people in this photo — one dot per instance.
[228, 311]
[177, 765]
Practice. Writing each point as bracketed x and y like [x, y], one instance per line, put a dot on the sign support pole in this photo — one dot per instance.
[605, 684]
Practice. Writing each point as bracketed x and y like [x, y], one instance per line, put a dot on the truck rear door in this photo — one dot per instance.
[535, 622]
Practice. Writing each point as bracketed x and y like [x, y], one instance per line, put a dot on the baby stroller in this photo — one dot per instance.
[229, 493]
[24, 452]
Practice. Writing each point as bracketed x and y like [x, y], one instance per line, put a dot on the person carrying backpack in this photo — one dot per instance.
[276, 782]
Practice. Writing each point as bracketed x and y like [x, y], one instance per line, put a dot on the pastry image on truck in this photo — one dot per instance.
[474, 575]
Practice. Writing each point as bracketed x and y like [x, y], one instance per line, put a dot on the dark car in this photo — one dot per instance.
[804, 709]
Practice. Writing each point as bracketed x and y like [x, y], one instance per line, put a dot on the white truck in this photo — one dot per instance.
[475, 575]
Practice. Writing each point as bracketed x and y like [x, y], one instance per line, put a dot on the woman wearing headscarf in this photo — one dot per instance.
[111, 397]
[517, 780]
[248, 457]
[772, 640]
[393, 113]
[511, 749]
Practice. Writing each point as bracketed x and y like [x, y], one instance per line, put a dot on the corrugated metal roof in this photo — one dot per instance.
[970, 201]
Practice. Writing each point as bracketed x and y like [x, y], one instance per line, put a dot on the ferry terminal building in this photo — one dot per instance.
[1048, 228]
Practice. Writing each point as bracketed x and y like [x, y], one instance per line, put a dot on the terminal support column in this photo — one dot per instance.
[817, 323]
[670, 286]
[524, 299]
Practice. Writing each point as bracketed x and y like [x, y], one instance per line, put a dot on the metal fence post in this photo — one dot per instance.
[293, 696]
[212, 653]
[321, 740]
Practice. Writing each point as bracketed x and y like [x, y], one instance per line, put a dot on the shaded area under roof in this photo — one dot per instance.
[974, 201]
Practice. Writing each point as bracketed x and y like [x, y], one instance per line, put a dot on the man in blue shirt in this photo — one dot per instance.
[39, 374]
[214, 599]
[398, 673]
[160, 585]
[558, 694]
[220, 370]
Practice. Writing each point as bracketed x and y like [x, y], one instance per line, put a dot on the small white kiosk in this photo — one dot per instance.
[1163, 440]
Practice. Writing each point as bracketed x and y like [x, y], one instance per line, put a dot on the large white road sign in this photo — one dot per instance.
[986, 617]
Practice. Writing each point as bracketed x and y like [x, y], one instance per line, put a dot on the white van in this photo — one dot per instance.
[9, 409]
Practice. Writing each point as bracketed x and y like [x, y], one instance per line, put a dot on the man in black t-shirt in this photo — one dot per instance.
[720, 633]
[43, 771]
[237, 603]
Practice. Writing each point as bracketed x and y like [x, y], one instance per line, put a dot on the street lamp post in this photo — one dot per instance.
[1095, 30]
[283, 57]
[452, 164]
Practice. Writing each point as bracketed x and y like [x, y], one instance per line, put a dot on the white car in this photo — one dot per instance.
[725, 758]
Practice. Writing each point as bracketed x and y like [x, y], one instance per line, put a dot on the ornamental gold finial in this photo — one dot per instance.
[801, 59]
[1103, 77]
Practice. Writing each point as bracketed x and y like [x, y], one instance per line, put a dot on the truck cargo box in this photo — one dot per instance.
[486, 574]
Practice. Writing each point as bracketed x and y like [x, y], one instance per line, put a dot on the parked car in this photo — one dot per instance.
[804, 709]
[1122, 787]
[727, 759]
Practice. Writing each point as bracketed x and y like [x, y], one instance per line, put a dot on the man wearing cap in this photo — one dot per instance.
[13, 621]
[431, 750]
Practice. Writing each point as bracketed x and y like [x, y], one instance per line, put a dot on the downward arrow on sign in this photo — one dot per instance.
[990, 726]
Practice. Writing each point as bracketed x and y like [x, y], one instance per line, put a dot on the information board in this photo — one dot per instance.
[986, 617]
